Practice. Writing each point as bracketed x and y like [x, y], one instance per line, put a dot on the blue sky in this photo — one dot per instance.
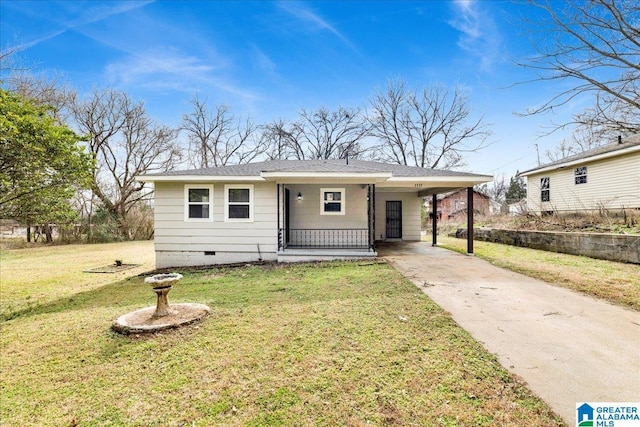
[270, 59]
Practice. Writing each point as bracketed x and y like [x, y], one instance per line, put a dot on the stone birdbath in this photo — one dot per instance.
[162, 284]
[163, 315]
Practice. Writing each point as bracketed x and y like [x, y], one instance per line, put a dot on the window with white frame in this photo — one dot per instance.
[198, 202]
[545, 189]
[580, 174]
[332, 201]
[238, 203]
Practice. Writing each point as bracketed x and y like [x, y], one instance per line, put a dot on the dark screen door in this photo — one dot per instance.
[394, 220]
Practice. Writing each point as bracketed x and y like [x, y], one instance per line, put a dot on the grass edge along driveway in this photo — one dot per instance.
[312, 344]
[616, 282]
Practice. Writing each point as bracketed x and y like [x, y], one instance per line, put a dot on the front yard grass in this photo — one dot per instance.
[616, 282]
[39, 275]
[312, 344]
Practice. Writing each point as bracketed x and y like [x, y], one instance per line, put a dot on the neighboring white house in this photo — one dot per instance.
[607, 177]
[290, 210]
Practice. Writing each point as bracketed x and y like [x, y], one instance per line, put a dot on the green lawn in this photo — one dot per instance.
[315, 344]
[39, 275]
[616, 282]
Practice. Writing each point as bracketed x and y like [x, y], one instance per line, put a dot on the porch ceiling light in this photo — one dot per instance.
[299, 195]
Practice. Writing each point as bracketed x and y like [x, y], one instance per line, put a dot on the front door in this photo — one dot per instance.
[394, 220]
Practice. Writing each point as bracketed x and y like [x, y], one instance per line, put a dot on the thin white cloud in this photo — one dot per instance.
[167, 68]
[262, 62]
[299, 11]
[480, 35]
[86, 13]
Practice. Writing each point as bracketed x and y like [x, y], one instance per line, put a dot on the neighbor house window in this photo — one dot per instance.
[581, 175]
[545, 195]
[198, 202]
[238, 203]
[332, 201]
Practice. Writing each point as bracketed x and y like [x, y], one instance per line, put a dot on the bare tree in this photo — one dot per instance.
[595, 46]
[498, 188]
[217, 138]
[431, 129]
[319, 134]
[277, 136]
[44, 90]
[125, 143]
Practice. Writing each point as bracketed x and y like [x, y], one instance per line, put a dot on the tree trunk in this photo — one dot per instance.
[48, 233]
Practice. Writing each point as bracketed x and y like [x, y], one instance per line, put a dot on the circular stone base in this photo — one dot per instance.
[142, 321]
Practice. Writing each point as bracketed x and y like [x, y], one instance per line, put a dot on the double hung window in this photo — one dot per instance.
[238, 201]
[198, 202]
[545, 189]
[581, 175]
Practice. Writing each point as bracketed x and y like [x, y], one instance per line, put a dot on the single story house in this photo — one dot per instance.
[607, 177]
[453, 205]
[291, 210]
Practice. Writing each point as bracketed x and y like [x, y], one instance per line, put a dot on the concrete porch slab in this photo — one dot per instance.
[310, 255]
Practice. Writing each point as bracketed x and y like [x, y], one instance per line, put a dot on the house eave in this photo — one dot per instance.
[199, 178]
[438, 184]
[326, 177]
[580, 161]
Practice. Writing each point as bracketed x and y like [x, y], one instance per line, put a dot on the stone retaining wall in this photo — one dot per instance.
[613, 247]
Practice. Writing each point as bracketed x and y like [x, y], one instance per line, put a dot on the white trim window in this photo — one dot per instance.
[580, 174]
[545, 189]
[238, 203]
[198, 202]
[332, 201]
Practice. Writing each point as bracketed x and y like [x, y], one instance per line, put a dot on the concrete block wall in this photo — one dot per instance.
[612, 247]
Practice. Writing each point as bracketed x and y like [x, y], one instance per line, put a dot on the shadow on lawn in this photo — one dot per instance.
[228, 288]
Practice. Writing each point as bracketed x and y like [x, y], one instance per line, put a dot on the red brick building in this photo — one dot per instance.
[454, 205]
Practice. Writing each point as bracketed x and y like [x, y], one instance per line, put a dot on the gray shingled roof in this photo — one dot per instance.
[320, 166]
[603, 149]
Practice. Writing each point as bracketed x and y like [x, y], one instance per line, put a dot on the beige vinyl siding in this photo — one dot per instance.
[411, 205]
[181, 243]
[306, 215]
[611, 184]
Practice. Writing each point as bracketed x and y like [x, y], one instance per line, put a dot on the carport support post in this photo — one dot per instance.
[434, 221]
[469, 220]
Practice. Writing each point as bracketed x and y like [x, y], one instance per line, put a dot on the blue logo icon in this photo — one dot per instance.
[585, 415]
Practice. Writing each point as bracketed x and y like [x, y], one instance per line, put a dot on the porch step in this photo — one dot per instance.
[307, 255]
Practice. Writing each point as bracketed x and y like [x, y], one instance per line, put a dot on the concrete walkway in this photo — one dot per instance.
[569, 348]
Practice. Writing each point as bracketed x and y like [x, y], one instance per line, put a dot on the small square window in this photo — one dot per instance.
[332, 201]
[581, 175]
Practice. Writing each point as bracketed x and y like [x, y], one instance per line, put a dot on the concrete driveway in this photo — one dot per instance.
[569, 348]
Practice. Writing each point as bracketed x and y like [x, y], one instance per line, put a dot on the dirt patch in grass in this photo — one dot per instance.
[616, 282]
[112, 268]
[285, 345]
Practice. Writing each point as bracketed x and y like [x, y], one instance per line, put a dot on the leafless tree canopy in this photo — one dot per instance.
[595, 45]
[125, 143]
[431, 129]
[318, 134]
[40, 89]
[217, 138]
